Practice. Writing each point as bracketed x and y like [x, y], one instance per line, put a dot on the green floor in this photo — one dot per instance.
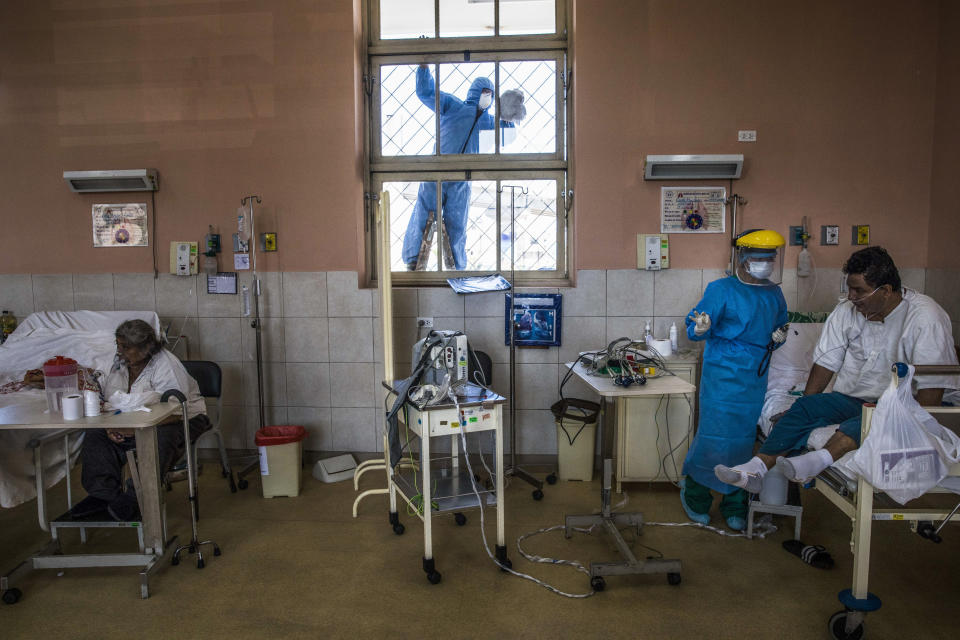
[304, 568]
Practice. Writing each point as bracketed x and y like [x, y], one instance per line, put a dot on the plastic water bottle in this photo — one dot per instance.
[8, 322]
[774, 489]
[673, 337]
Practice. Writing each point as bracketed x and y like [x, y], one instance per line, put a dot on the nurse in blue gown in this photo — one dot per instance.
[740, 318]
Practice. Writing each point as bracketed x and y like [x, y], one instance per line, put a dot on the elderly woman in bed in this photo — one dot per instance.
[141, 365]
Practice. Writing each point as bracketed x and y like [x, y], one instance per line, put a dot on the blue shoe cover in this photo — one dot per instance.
[736, 523]
[702, 518]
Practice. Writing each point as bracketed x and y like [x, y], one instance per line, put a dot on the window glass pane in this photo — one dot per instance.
[537, 80]
[406, 19]
[527, 16]
[461, 121]
[406, 122]
[460, 18]
[469, 232]
[534, 226]
[481, 244]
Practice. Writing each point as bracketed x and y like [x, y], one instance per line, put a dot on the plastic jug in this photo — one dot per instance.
[59, 379]
[774, 489]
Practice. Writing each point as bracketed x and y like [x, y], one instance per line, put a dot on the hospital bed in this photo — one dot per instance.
[855, 497]
[30, 461]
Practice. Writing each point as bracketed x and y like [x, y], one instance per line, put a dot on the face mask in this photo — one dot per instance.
[486, 99]
[759, 269]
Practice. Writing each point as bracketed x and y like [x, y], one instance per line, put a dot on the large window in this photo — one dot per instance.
[467, 108]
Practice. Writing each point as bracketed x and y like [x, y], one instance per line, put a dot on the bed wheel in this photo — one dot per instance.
[12, 596]
[837, 626]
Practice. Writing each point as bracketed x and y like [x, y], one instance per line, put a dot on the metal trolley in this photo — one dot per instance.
[429, 484]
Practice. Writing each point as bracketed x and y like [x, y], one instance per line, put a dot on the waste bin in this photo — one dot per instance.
[576, 437]
[281, 449]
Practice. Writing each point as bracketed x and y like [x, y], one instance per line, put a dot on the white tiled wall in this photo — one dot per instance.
[321, 342]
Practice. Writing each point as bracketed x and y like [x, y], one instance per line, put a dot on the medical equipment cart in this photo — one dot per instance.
[435, 484]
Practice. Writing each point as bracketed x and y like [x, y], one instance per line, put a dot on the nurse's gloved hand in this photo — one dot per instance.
[702, 320]
[780, 335]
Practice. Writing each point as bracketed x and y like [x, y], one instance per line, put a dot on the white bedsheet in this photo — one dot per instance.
[85, 336]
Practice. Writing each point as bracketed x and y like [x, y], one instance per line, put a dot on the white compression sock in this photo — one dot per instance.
[748, 475]
[801, 468]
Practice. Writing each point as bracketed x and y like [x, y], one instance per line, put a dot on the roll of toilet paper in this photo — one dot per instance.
[661, 346]
[72, 406]
[91, 403]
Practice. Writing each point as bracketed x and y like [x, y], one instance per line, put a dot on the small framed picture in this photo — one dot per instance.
[536, 319]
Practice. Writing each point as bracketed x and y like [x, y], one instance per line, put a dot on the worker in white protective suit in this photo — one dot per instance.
[877, 323]
[742, 319]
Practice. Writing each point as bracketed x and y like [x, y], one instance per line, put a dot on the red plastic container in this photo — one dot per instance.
[279, 434]
[59, 379]
[60, 366]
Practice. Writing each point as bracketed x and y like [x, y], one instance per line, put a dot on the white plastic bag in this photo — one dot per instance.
[136, 401]
[907, 452]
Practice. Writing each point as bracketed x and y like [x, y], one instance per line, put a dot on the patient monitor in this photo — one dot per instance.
[447, 355]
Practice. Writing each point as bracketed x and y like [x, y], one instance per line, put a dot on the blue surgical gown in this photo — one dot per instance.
[731, 394]
[460, 124]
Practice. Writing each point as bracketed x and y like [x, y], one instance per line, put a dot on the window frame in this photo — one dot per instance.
[504, 175]
[494, 160]
[556, 165]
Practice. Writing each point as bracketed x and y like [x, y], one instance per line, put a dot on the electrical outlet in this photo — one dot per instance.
[746, 136]
[829, 234]
[425, 322]
[861, 234]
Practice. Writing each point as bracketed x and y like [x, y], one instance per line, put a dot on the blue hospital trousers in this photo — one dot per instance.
[791, 431]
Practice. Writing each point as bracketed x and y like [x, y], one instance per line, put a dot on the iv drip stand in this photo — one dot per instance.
[513, 469]
[256, 324]
[733, 201]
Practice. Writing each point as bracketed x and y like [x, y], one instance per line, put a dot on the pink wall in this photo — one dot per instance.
[262, 96]
[841, 95]
[945, 187]
[224, 99]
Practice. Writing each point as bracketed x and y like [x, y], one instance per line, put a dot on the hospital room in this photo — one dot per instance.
[539, 318]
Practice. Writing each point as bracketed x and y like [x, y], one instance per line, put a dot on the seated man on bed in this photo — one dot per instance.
[141, 365]
[878, 323]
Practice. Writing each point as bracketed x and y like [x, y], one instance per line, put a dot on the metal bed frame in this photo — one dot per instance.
[863, 508]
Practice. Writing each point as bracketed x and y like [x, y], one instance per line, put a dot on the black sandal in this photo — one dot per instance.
[813, 554]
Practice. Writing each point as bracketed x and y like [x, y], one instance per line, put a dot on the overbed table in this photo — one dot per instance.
[608, 519]
[154, 549]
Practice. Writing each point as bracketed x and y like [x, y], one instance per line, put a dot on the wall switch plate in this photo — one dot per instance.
[746, 136]
[830, 234]
[861, 234]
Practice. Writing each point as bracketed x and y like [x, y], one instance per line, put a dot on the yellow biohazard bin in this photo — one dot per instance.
[576, 437]
[281, 450]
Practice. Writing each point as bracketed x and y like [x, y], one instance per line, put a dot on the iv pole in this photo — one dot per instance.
[257, 326]
[255, 323]
[733, 201]
[513, 469]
